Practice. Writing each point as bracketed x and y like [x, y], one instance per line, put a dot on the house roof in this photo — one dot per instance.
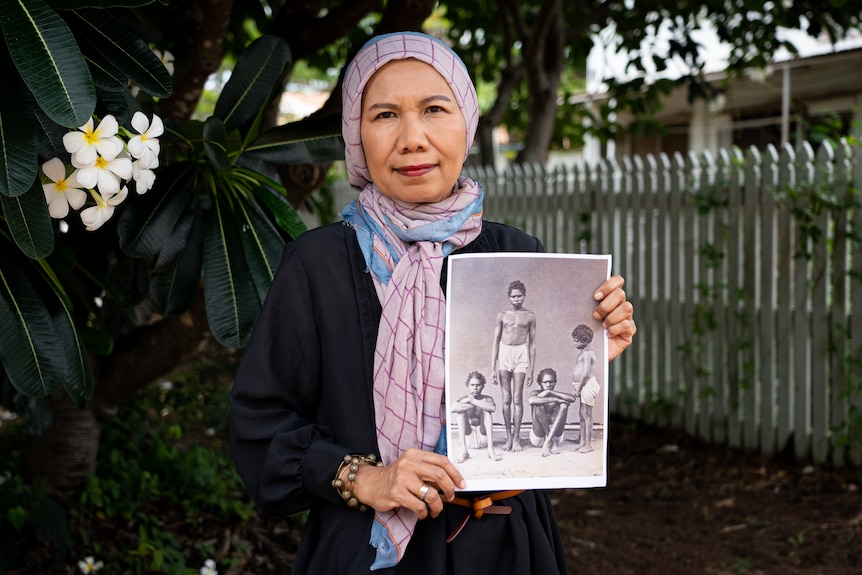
[818, 83]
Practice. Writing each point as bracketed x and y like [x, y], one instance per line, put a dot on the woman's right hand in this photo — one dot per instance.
[398, 484]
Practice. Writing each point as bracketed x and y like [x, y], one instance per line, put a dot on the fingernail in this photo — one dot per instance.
[598, 295]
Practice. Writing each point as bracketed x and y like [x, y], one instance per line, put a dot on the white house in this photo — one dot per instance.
[772, 106]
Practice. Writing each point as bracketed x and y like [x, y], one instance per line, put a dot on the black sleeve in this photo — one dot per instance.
[284, 458]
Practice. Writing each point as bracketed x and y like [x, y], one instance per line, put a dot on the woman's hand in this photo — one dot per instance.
[616, 315]
[398, 484]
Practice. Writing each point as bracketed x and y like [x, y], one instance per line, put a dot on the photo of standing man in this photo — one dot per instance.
[513, 360]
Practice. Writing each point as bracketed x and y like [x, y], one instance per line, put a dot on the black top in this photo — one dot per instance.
[302, 399]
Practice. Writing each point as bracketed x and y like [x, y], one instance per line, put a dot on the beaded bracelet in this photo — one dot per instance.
[352, 463]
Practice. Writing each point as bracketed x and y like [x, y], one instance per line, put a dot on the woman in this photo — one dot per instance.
[346, 358]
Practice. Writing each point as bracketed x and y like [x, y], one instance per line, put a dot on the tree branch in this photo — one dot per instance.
[200, 57]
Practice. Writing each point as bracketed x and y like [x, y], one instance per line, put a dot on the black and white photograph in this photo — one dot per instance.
[526, 370]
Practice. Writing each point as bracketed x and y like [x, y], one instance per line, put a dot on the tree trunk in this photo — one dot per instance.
[485, 137]
[67, 451]
[200, 57]
[544, 59]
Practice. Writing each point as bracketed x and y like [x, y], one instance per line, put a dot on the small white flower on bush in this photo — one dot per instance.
[105, 157]
[144, 178]
[104, 173]
[167, 59]
[62, 191]
[86, 143]
[209, 568]
[88, 565]
[94, 217]
[145, 146]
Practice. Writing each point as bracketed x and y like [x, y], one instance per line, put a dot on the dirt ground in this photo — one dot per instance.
[676, 506]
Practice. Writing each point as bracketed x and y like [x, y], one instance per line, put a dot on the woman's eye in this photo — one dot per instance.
[435, 109]
[385, 115]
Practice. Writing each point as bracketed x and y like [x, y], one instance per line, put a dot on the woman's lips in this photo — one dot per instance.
[415, 171]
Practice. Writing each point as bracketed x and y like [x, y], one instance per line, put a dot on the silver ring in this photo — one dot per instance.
[423, 491]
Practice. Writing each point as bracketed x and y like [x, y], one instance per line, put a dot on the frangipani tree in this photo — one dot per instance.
[145, 210]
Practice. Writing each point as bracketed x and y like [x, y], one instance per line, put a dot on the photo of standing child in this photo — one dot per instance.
[586, 385]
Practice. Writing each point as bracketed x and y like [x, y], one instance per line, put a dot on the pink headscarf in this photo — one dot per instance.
[404, 245]
[373, 56]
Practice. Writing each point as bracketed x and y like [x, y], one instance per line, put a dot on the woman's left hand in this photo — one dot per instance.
[616, 315]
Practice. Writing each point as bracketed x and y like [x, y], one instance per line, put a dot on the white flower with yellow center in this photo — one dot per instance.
[87, 143]
[95, 216]
[104, 173]
[209, 568]
[167, 59]
[89, 565]
[145, 146]
[63, 191]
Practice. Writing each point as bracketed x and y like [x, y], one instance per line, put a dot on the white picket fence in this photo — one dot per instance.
[744, 270]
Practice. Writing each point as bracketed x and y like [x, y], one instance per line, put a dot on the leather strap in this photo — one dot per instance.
[478, 506]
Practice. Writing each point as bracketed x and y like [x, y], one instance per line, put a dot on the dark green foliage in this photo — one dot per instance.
[164, 477]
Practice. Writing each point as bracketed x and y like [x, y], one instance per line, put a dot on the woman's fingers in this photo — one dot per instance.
[400, 484]
[616, 314]
[609, 295]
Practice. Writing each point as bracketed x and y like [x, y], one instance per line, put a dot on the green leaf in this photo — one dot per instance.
[18, 517]
[39, 346]
[231, 298]
[285, 216]
[106, 76]
[76, 373]
[261, 244]
[215, 143]
[29, 222]
[175, 280]
[97, 341]
[49, 60]
[258, 72]
[78, 4]
[127, 52]
[50, 137]
[18, 137]
[120, 103]
[147, 222]
[309, 141]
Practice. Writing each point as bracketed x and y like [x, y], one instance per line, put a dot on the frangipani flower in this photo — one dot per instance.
[145, 147]
[167, 59]
[144, 177]
[63, 191]
[87, 143]
[88, 565]
[104, 173]
[209, 568]
[94, 217]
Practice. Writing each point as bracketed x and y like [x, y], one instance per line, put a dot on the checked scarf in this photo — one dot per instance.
[404, 246]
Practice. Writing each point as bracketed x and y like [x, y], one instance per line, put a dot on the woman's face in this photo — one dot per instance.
[413, 132]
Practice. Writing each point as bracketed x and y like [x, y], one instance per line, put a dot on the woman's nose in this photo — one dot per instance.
[412, 136]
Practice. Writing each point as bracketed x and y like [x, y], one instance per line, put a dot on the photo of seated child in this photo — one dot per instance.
[473, 414]
[549, 411]
[586, 385]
